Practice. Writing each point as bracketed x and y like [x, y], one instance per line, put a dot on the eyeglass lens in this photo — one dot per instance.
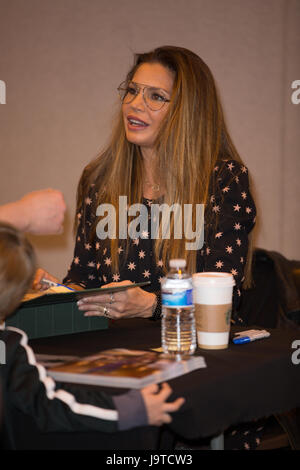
[154, 97]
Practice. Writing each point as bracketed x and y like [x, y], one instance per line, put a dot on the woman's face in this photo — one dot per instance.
[141, 123]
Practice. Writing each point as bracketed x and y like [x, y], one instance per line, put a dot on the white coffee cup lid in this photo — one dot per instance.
[214, 278]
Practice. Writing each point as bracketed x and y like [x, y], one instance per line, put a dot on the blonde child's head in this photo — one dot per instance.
[17, 268]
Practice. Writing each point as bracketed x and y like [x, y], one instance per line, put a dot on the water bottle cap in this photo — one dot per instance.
[177, 263]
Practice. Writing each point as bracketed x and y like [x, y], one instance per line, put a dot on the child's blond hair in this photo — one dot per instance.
[17, 268]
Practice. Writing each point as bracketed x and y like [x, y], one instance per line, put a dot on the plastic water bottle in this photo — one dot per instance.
[178, 321]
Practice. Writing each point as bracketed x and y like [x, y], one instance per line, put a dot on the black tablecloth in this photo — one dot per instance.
[241, 383]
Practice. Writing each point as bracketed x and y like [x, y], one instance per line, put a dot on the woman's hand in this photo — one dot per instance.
[42, 274]
[37, 281]
[129, 303]
[158, 410]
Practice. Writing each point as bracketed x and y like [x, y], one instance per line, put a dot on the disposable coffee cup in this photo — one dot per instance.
[212, 293]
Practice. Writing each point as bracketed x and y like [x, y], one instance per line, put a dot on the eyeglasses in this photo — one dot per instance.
[154, 97]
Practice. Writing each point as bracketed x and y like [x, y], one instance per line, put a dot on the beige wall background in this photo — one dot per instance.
[62, 61]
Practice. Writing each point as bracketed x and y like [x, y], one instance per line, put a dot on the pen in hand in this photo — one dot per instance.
[54, 284]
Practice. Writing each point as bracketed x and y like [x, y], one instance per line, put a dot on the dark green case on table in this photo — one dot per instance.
[57, 314]
[54, 319]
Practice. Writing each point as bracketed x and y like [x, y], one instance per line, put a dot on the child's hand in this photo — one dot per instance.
[157, 407]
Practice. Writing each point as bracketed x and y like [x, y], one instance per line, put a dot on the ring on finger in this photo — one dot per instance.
[112, 300]
[106, 312]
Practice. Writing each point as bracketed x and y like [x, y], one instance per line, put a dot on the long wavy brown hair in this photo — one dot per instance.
[192, 137]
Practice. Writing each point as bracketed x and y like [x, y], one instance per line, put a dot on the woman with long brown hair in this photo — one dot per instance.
[170, 145]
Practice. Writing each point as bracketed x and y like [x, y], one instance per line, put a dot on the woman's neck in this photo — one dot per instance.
[151, 183]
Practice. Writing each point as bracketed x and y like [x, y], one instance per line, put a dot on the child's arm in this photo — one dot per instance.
[57, 407]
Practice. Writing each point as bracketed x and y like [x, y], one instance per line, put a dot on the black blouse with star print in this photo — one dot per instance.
[225, 242]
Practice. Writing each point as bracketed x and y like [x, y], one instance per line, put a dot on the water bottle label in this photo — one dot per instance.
[182, 298]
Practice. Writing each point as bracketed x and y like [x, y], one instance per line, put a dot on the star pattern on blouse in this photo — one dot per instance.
[216, 208]
[145, 234]
[226, 189]
[146, 273]
[131, 265]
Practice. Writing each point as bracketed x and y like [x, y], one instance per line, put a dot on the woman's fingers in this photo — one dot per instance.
[95, 299]
[92, 307]
[95, 310]
[108, 298]
[37, 281]
[92, 313]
